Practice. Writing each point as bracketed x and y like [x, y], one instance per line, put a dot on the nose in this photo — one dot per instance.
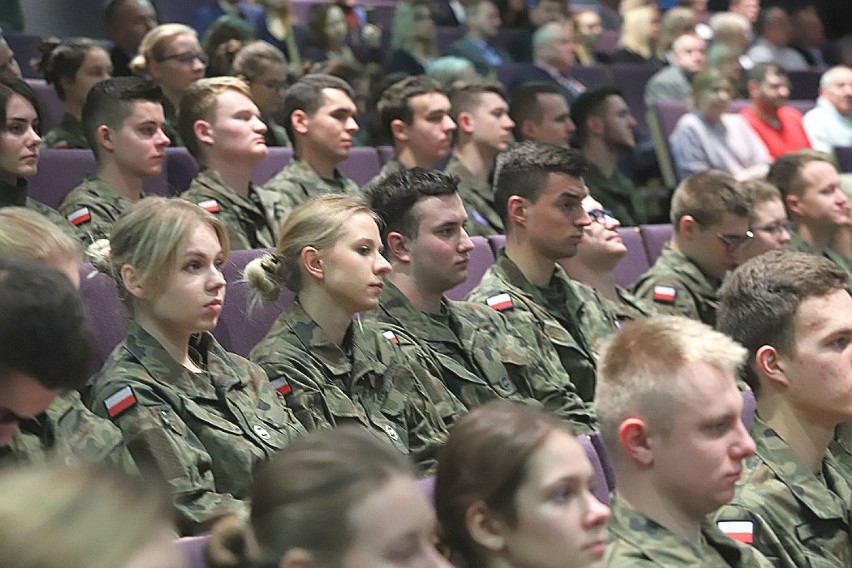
[217, 279]
[596, 512]
[784, 236]
[381, 266]
[198, 64]
[570, 127]
[612, 223]
[258, 125]
[508, 123]
[744, 446]
[352, 125]
[465, 244]
[583, 220]
[631, 121]
[34, 139]
[448, 124]
[162, 139]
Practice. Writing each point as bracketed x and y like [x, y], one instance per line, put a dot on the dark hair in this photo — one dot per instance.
[486, 459]
[393, 104]
[62, 59]
[707, 196]
[393, 198]
[306, 95]
[465, 96]
[590, 103]
[760, 70]
[786, 172]
[10, 86]
[222, 40]
[317, 16]
[110, 102]
[111, 8]
[524, 104]
[43, 331]
[759, 300]
[523, 170]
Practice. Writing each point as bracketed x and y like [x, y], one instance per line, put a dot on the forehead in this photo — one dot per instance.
[553, 102]
[335, 98]
[773, 77]
[19, 107]
[559, 184]
[434, 210]
[559, 456]
[142, 111]
[428, 102]
[772, 210]
[840, 77]
[615, 103]
[180, 42]
[591, 204]
[703, 389]
[688, 43]
[135, 8]
[359, 225]
[819, 316]
[817, 174]
[487, 101]
[230, 100]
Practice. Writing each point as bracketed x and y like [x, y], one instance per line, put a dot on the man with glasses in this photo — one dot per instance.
[538, 194]
[710, 222]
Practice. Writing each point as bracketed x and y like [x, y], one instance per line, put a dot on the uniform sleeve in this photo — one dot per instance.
[765, 538]
[296, 382]
[667, 295]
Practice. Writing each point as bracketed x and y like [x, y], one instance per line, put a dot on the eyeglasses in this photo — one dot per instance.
[186, 58]
[733, 242]
[602, 216]
[775, 229]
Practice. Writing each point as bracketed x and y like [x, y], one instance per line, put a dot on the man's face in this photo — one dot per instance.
[486, 22]
[546, 11]
[602, 245]
[773, 92]
[698, 458]
[21, 397]
[618, 124]
[690, 53]
[555, 221]
[589, 28]
[138, 146]
[839, 92]
[748, 8]
[706, 246]
[823, 202]
[330, 129]
[133, 20]
[430, 133]
[489, 124]
[819, 369]
[778, 28]
[555, 126]
[559, 52]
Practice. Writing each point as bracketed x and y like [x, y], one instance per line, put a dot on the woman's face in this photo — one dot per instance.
[335, 27]
[353, 270]
[715, 99]
[19, 142]
[96, 67]
[559, 523]
[267, 88]
[181, 64]
[424, 25]
[394, 528]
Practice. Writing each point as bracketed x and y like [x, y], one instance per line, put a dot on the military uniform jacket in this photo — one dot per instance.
[92, 208]
[798, 244]
[202, 432]
[70, 432]
[675, 285]
[298, 182]
[393, 165]
[799, 520]
[68, 134]
[629, 307]
[250, 221]
[478, 198]
[635, 540]
[16, 196]
[618, 194]
[572, 332]
[369, 381]
[481, 358]
[276, 135]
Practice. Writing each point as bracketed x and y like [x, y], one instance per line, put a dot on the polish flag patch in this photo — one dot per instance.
[79, 216]
[120, 401]
[210, 205]
[500, 302]
[742, 531]
[282, 386]
[665, 294]
[390, 336]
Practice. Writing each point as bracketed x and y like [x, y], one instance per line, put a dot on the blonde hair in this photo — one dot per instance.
[199, 102]
[316, 223]
[634, 35]
[256, 57]
[58, 517]
[147, 237]
[31, 236]
[153, 45]
[641, 366]
[674, 23]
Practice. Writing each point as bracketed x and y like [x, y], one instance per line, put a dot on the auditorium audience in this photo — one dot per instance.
[477, 46]
[674, 23]
[554, 59]
[673, 83]
[769, 221]
[639, 36]
[413, 40]
[279, 27]
[127, 22]
[589, 30]
[540, 114]
[326, 36]
[773, 38]
[263, 67]
[829, 123]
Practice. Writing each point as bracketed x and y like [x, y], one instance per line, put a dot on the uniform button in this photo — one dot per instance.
[506, 383]
[391, 433]
[261, 431]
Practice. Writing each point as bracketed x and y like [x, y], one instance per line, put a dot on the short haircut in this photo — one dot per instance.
[110, 102]
[759, 192]
[786, 172]
[393, 198]
[199, 102]
[640, 368]
[394, 102]
[727, 25]
[11, 86]
[253, 59]
[466, 96]
[759, 300]
[524, 104]
[306, 95]
[43, 331]
[590, 103]
[827, 78]
[761, 70]
[707, 196]
[523, 169]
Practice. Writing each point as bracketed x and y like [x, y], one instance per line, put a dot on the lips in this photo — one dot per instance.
[214, 306]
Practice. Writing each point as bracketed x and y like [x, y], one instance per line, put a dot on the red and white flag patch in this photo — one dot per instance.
[120, 401]
[500, 302]
[665, 294]
[742, 531]
[210, 205]
[390, 336]
[79, 216]
[282, 386]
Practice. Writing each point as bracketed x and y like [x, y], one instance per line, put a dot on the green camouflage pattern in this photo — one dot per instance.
[573, 331]
[478, 199]
[841, 448]
[105, 206]
[275, 135]
[393, 165]
[481, 358]
[695, 291]
[629, 307]
[635, 540]
[800, 519]
[798, 244]
[203, 433]
[298, 182]
[68, 134]
[618, 194]
[369, 381]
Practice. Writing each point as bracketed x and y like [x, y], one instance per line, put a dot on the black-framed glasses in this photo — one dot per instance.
[733, 242]
[186, 58]
[775, 229]
[602, 216]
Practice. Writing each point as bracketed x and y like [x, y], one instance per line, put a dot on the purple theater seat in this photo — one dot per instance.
[481, 258]
[804, 84]
[635, 262]
[427, 485]
[601, 488]
[592, 76]
[608, 43]
[25, 47]
[180, 11]
[654, 237]
[181, 169]
[446, 35]
[50, 105]
[844, 158]
[497, 242]
[362, 165]
[192, 548]
[106, 313]
[241, 326]
[662, 118]
[603, 455]
[278, 158]
[749, 407]
[385, 153]
[631, 79]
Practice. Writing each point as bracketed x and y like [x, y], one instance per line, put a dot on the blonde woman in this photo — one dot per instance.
[264, 69]
[199, 417]
[337, 369]
[639, 36]
[413, 39]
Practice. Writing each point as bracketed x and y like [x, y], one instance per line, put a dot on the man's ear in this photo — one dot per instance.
[634, 439]
[465, 122]
[105, 139]
[771, 365]
[528, 129]
[312, 261]
[399, 130]
[300, 121]
[687, 226]
[204, 132]
[130, 279]
[793, 205]
[516, 206]
[753, 87]
[485, 529]
[398, 247]
[595, 125]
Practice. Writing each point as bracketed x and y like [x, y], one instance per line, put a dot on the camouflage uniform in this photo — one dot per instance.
[68, 431]
[798, 244]
[478, 198]
[16, 196]
[629, 307]
[250, 221]
[572, 330]
[368, 381]
[799, 519]
[393, 165]
[841, 448]
[92, 208]
[635, 540]
[202, 432]
[275, 135]
[481, 358]
[67, 135]
[677, 286]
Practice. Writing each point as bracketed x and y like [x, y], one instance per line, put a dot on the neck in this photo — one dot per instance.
[766, 113]
[644, 498]
[408, 158]
[125, 184]
[172, 95]
[333, 320]
[817, 235]
[175, 342]
[807, 440]
[536, 269]
[598, 153]
[597, 277]
[322, 165]
[422, 299]
[237, 176]
[423, 48]
[476, 158]
[74, 108]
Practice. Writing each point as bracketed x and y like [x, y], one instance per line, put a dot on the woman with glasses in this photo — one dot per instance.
[263, 67]
[171, 56]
